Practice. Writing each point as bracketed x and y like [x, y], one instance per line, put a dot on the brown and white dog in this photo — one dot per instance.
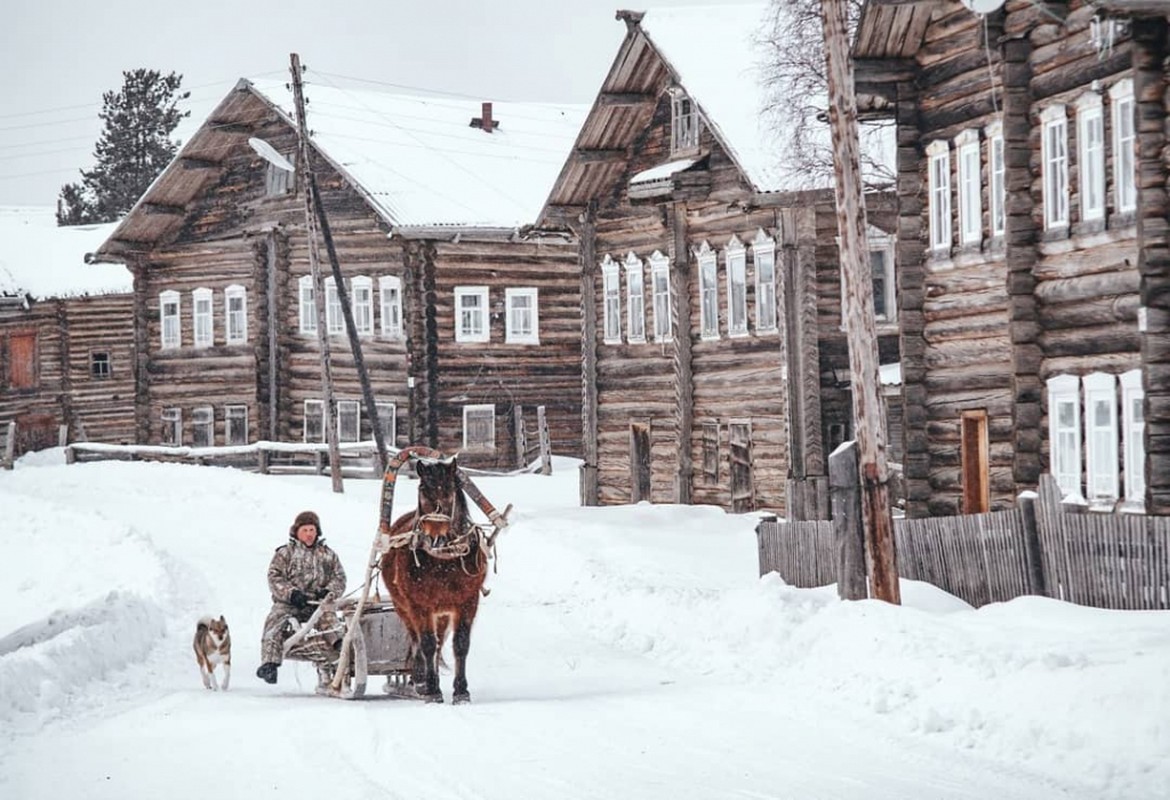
[213, 645]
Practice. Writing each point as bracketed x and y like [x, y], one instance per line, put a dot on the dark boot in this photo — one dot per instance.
[267, 672]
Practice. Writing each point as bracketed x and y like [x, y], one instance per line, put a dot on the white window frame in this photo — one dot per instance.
[660, 296]
[1124, 146]
[202, 317]
[388, 420]
[361, 296]
[469, 332]
[939, 182]
[169, 310]
[306, 305]
[515, 331]
[1064, 439]
[203, 426]
[611, 301]
[235, 424]
[1054, 166]
[315, 410]
[334, 322]
[349, 421]
[478, 446]
[967, 156]
[708, 292]
[1091, 156]
[764, 261]
[390, 292]
[684, 122]
[1101, 439]
[735, 260]
[172, 421]
[635, 300]
[997, 179]
[278, 180]
[1133, 443]
[879, 241]
[235, 321]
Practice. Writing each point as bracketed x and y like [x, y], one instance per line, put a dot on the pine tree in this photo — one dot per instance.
[134, 147]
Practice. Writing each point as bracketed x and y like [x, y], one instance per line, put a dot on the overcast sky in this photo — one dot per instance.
[58, 56]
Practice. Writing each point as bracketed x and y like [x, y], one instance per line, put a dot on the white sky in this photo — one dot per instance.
[58, 56]
[624, 652]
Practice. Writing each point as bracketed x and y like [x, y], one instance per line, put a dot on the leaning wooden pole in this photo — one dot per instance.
[857, 310]
[305, 187]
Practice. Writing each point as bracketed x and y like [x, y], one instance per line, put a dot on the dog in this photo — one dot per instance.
[213, 646]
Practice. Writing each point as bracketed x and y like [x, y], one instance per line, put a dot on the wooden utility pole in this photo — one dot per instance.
[305, 187]
[857, 310]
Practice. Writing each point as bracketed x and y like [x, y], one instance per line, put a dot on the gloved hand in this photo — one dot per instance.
[322, 594]
[298, 598]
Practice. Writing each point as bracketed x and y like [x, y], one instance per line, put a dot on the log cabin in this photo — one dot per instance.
[1032, 248]
[715, 367]
[66, 358]
[462, 316]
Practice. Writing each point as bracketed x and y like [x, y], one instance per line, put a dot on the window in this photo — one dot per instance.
[1124, 180]
[471, 304]
[168, 309]
[388, 422]
[334, 322]
[236, 314]
[711, 452]
[1054, 160]
[314, 421]
[201, 309]
[1064, 433]
[99, 365]
[522, 312]
[349, 420]
[764, 255]
[708, 293]
[235, 424]
[390, 287]
[1101, 434]
[940, 195]
[1133, 444]
[635, 300]
[970, 188]
[479, 428]
[684, 127]
[736, 258]
[172, 427]
[278, 181]
[308, 308]
[363, 305]
[203, 427]
[1091, 156]
[660, 295]
[612, 309]
[881, 267]
[997, 184]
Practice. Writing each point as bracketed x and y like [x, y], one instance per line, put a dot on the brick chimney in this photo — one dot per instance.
[485, 120]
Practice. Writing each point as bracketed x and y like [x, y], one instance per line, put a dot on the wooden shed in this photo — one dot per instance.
[459, 312]
[66, 356]
[1032, 247]
[715, 366]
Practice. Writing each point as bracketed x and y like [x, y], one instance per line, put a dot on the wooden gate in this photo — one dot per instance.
[740, 447]
[639, 461]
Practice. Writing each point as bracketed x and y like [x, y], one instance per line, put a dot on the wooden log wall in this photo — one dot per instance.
[37, 410]
[101, 408]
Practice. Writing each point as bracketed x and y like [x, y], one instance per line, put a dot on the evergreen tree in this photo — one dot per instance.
[134, 147]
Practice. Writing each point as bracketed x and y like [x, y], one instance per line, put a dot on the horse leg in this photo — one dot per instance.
[461, 644]
[428, 644]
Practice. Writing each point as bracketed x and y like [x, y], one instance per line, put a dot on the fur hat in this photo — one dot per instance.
[305, 518]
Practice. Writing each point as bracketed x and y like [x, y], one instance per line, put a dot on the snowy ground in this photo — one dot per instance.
[623, 652]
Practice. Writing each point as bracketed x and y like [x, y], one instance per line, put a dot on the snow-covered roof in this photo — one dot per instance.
[720, 58]
[41, 260]
[419, 160]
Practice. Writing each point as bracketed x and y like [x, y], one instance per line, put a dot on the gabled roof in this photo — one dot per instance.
[40, 260]
[416, 159]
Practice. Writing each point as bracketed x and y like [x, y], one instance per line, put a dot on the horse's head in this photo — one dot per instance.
[441, 508]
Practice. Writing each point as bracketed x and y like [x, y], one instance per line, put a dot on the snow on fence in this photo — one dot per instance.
[1105, 560]
[358, 459]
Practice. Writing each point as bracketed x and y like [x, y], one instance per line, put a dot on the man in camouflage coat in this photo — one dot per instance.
[303, 570]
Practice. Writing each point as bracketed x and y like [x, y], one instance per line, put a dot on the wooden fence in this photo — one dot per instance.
[532, 445]
[1104, 560]
[358, 459]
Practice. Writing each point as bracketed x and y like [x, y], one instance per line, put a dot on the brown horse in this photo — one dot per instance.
[434, 571]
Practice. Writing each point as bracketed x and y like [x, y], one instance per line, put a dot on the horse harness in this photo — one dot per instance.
[448, 547]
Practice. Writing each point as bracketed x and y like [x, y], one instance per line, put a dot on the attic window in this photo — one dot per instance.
[278, 181]
[684, 123]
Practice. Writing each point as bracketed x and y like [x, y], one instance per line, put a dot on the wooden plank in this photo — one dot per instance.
[545, 444]
[845, 499]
